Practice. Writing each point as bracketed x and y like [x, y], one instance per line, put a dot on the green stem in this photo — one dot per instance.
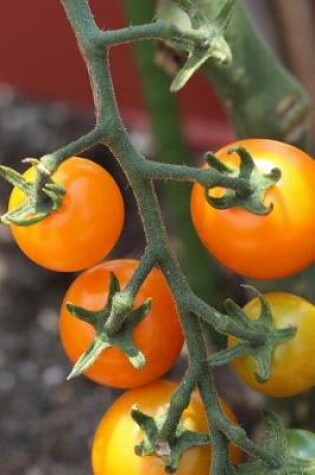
[53, 160]
[221, 322]
[171, 147]
[208, 177]
[179, 402]
[146, 264]
[160, 29]
[116, 137]
[123, 300]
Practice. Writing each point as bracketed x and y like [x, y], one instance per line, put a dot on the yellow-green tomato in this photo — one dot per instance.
[117, 434]
[302, 445]
[293, 367]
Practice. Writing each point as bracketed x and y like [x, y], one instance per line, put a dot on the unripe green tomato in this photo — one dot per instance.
[302, 445]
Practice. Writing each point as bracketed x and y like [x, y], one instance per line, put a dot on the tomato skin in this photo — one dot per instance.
[84, 229]
[159, 336]
[293, 369]
[263, 247]
[302, 445]
[117, 434]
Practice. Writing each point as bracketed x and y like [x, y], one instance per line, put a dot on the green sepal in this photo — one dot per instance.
[250, 198]
[88, 357]
[15, 178]
[280, 461]
[23, 216]
[263, 337]
[32, 210]
[236, 313]
[82, 314]
[153, 444]
[214, 162]
[122, 339]
[209, 41]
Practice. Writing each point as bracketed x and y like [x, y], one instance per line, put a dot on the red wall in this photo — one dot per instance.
[38, 54]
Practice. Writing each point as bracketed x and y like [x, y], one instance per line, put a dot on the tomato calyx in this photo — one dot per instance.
[250, 197]
[123, 339]
[260, 338]
[204, 40]
[42, 197]
[169, 451]
[280, 462]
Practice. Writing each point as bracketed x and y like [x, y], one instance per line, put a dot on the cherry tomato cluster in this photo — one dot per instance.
[266, 247]
[77, 236]
[83, 231]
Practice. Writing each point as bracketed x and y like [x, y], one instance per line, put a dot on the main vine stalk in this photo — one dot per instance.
[94, 45]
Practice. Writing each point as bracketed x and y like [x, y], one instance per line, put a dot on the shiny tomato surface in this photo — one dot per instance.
[117, 434]
[84, 229]
[293, 368]
[263, 247]
[302, 445]
[159, 336]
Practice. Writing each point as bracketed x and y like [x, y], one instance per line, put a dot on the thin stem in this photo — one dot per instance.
[238, 436]
[53, 160]
[49, 163]
[161, 29]
[205, 176]
[123, 300]
[221, 322]
[146, 264]
[179, 402]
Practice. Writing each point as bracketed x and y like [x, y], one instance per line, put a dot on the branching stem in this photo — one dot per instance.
[111, 131]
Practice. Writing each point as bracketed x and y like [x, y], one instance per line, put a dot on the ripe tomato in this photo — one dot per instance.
[84, 229]
[302, 445]
[293, 369]
[263, 247]
[159, 336]
[117, 434]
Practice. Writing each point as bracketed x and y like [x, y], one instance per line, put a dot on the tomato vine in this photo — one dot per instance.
[246, 185]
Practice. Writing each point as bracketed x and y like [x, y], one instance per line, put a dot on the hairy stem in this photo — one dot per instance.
[179, 402]
[115, 136]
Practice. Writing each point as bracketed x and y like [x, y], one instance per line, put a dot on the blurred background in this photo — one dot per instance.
[46, 423]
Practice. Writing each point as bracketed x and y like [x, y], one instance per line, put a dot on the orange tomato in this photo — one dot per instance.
[293, 369]
[117, 434]
[159, 336]
[263, 247]
[84, 229]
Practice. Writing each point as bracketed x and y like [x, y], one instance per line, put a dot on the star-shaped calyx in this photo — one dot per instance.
[250, 197]
[206, 39]
[121, 339]
[170, 452]
[42, 196]
[263, 337]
